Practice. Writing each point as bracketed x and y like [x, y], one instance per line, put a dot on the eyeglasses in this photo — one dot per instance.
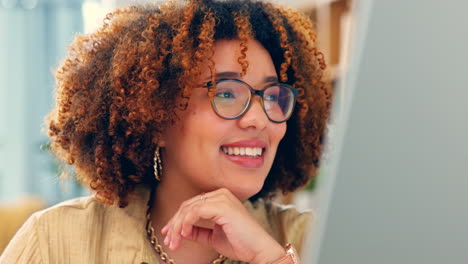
[233, 97]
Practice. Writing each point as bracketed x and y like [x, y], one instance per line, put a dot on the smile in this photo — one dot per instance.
[243, 151]
[246, 153]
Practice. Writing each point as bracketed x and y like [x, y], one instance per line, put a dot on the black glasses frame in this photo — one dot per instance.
[253, 92]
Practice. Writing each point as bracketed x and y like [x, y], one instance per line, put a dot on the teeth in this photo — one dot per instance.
[254, 152]
[242, 151]
[249, 151]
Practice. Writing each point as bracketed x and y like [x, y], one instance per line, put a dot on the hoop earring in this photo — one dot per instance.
[157, 164]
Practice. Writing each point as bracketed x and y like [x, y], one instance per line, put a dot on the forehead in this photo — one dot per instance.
[227, 53]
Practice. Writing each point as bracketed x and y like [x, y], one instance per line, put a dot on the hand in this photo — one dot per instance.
[236, 233]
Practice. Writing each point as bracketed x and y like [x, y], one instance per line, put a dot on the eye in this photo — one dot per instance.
[272, 94]
[225, 94]
[271, 97]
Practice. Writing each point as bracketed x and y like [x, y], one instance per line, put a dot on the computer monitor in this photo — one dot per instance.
[394, 188]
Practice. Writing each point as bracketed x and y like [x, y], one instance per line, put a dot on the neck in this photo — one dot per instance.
[166, 200]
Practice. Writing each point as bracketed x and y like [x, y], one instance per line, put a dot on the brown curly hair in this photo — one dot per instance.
[117, 89]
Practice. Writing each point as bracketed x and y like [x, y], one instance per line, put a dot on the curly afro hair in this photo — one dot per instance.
[118, 89]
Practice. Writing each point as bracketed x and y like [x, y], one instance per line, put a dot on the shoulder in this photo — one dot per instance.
[45, 229]
[82, 229]
[81, 205]
[73, 220]
[285, 223]
[89, 211]
[71, 212]
[86, 216]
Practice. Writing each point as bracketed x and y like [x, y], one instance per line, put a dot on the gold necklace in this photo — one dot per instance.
[159, 249]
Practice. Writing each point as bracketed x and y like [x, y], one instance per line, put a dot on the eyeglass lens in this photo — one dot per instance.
[232, 98]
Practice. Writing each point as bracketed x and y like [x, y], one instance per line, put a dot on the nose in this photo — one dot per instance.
[255, 116]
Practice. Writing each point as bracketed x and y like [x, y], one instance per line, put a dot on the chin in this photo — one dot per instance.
[246, 191]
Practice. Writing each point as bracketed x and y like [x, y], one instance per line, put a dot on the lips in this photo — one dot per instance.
[246, 153]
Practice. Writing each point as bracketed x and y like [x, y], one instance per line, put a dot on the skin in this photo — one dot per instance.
[196, 229]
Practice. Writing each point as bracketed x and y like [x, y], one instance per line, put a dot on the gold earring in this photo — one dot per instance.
[157, 164]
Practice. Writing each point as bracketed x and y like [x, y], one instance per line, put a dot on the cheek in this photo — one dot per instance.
[279, 131]
[202, 128]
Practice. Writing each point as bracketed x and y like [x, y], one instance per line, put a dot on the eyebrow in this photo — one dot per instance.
[237, 75]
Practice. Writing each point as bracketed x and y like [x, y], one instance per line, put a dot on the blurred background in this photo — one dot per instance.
[400, 191]
[34, 35]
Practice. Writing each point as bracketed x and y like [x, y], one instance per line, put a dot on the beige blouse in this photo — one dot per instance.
[84, 230]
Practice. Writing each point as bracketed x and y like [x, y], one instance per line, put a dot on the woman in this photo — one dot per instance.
[184, 120]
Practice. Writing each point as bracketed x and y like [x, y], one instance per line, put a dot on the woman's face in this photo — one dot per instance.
[195, 147]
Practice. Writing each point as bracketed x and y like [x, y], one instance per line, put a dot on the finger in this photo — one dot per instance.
[185, 220]
[177, 221]
[200, 213]
[174, 236]
[197, 198]
[164, 230]
[170, 230]
[216, 212]
[167, 238]
[189, 221]
[176, 228]
[201, 235]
